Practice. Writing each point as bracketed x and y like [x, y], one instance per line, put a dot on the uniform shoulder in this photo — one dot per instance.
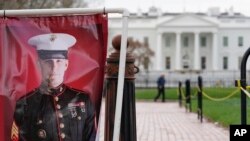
[28, 95]
[20, 105]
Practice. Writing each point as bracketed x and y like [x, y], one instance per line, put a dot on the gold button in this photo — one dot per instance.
[61, 125]
[60, 115]
[39, 122]
[49, 90]
[58, 106]
[79, 118]
[81, 103]
[61, 88]
[41, 133]
[56, 98]
[62, 135]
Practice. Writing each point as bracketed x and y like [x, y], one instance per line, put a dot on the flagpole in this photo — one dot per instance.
[59, 11]
[119, 98]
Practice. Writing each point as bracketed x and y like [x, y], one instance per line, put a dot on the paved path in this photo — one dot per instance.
[168, 122]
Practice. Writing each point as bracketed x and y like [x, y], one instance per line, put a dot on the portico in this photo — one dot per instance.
[188, 47]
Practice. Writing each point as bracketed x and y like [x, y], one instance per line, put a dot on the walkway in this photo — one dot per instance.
[168, 122]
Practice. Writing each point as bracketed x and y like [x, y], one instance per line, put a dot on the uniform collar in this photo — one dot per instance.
[52, 91]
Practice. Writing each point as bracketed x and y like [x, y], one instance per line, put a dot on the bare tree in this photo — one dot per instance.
[39, 4]
[142, 52]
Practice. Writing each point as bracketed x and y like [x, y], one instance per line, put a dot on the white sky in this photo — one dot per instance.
[242, 6]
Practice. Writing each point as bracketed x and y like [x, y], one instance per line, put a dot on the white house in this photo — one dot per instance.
[210, 41]
[189, 44]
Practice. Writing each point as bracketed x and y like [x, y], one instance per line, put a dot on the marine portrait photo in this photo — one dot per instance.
[56, 72]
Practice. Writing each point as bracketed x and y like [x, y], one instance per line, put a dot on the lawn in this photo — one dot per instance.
[223, 112]
[149, 94]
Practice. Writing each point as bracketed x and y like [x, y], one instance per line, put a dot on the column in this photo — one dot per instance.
[196, 51]
[158, 54]
[215, 52]
[178, 51]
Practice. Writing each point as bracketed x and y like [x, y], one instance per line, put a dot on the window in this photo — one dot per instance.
[185, 65]
[168, 63]
[203, 62]
[167, 41]
[203, 41]
[239, 63]
[185, 61]
[225, 41]
[225, 63]
[146, 41]
[185, 42]
[240, 41]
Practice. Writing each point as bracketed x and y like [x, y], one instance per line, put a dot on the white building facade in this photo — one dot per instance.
[190, 41]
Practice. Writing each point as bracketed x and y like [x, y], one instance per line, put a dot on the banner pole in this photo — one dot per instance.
[120, 87]
[60, 11]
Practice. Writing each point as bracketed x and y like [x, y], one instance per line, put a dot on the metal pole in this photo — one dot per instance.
[180, 94]
[119, 98]
[243, 84]
[60, 11]
[200, 111]
[128, 116]
[188, 95]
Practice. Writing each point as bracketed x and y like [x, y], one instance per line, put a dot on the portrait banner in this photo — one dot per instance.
[52, 74]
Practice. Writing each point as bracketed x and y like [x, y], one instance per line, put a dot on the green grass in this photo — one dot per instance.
[224, 112]
[149, 94]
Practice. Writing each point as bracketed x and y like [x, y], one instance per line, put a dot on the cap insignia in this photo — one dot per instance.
[41, 133]
[52, 37]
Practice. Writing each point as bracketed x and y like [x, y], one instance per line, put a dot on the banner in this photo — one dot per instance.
[52, 73]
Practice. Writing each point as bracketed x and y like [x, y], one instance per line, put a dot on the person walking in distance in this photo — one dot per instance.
[161, 88]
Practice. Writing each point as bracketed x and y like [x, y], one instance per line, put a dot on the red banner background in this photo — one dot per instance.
[19, 74]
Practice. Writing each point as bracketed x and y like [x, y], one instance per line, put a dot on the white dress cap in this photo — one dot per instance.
[52, 41]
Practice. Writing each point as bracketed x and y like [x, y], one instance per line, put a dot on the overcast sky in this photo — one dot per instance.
[242, 6]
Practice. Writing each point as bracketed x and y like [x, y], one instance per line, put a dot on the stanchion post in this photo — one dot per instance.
[188, 95]
[199, 97]
[180, 94]
[243, 85]
[128, 117]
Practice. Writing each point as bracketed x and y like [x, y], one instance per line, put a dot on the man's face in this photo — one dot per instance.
[53, 71]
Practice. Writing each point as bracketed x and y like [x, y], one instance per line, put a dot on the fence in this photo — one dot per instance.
[210, 78]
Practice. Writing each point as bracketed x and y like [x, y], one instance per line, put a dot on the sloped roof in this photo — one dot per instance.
[187, 20]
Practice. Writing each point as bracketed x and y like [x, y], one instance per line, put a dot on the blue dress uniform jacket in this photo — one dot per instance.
[65, 115]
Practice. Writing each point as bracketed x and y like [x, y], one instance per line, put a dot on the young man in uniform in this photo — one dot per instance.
[54, 111]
